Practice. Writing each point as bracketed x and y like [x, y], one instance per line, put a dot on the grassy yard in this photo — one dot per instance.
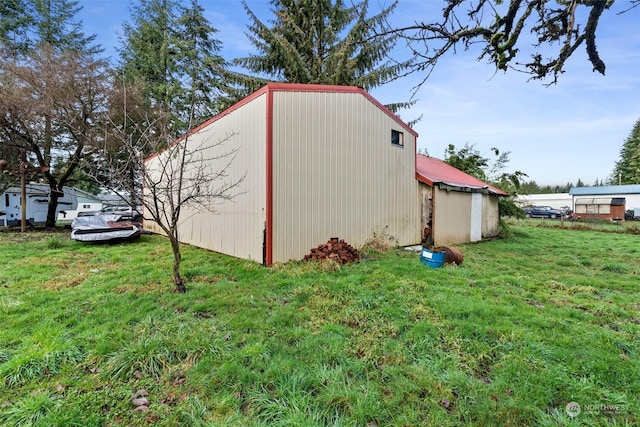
[92, 335]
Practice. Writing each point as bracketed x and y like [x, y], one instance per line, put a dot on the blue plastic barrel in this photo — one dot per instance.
[431, 258]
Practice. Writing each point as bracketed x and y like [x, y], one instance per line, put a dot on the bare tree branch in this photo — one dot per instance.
[180, 178]
[503, 32]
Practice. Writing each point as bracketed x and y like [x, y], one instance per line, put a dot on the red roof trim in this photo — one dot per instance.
[292, 87]
[217, 117]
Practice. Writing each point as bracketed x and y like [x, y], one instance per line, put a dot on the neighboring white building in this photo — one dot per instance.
[555, 200]
[318, 162]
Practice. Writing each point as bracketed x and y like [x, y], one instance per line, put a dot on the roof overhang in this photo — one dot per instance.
[614, 201]
[459, 187]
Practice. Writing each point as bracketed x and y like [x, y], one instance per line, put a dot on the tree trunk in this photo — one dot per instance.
[177, 258]
[54, 195]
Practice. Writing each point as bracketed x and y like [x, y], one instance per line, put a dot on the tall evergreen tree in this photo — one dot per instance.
[14, 26]
[319, 41]
[627, 169]
[171, 49]
[55, 25]
[148, 49]
[199, 58]
[25, 25]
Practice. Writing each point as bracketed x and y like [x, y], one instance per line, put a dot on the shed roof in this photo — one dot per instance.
[613, 201]
[605, 190]
[432, 171]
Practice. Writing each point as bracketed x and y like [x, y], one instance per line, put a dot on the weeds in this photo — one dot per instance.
[527, 324]
[54, 243]
[29, 411]
[379, 242]
[42, 353]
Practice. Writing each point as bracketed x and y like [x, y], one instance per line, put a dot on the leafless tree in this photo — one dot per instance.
[179, 179]
[51, 106]
[557, 28]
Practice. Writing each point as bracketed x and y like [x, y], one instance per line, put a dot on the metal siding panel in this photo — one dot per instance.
[236, 228]
[451, 218]
[337, 175]
[490, 216]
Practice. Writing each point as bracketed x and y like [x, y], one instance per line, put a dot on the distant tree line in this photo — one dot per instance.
[531, 187]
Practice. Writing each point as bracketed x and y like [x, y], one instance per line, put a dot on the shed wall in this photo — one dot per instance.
[237, 227]
[461, 217]
[336, 173]
[451, 217]
[490, 216]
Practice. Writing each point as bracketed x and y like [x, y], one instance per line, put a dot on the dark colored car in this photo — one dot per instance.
[543, 212]
[632, 215]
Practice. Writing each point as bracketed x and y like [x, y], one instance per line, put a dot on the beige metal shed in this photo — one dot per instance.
[319, 162]
[455, 206]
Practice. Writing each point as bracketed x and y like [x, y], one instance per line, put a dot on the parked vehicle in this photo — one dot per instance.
[66, 217]
[632, 214]
[543, 212]
[126, 213]
[105, 227]
[111, 223]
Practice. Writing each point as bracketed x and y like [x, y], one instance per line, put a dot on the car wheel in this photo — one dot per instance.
[553, 216]
[528, 215]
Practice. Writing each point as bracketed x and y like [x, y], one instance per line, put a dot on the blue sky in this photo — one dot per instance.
[557, 134]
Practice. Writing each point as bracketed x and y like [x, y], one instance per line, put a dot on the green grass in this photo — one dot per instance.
[523, 327]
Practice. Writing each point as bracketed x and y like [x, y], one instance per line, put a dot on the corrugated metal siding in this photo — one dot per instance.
[490, 216]
[336, 174]
[451, 217]
[237, 227]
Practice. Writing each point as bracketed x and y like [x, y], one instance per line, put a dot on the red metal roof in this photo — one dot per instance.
[431, 171]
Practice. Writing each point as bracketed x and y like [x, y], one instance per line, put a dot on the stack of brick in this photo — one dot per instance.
[335, 249]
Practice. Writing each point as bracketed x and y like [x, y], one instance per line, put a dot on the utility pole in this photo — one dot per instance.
[22, 169]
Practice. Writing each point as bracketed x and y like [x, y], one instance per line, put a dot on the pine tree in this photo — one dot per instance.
[171, 50]
[149, 45]
[14, 26]
[627, 169]
[25, 25]
[319, 42]
[199, 57]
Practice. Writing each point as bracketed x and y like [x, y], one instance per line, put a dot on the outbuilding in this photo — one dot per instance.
[318, 162]
[455, 206]
[607, 202]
